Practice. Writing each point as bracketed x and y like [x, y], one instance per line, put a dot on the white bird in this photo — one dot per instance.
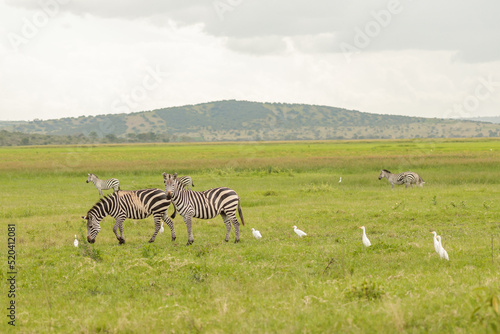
[75, 242]
[161, 228]
[437, 246]
[299, 232]
[442, 252]
[256, 234]
[366, 242]
[340, 179]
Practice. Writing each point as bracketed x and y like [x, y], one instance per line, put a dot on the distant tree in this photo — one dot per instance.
[93, 136]
[111, 138]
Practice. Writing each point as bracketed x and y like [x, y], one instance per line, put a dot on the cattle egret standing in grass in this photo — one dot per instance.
[161, 228]
[437, 246]
[366, 242]
[299, 232]
[256, 234]
[75, 242]
[442, 252]
[340, 179]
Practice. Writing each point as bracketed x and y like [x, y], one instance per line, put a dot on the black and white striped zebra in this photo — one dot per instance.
[136, 204]
[406, 178]
[204, 205]
[103, 184]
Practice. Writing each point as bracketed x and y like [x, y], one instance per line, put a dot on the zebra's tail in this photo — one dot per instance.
[173, 214]
[240, 212]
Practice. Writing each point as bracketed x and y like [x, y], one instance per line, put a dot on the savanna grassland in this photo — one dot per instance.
[326, 282]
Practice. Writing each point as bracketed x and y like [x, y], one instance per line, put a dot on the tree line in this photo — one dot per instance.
[8, 138]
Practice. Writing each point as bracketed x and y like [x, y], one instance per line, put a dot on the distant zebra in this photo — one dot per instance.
[104, 184]
[186, 181]
[406, 178]
[136, 204]
[205, 205]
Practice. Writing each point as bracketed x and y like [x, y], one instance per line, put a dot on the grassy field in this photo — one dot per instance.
[327, 282]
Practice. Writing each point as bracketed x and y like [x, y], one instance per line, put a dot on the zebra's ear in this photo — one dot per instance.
[175, 176]
[164, 175]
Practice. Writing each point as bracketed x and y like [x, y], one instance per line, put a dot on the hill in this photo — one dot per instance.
[243, 120]
[490, 119]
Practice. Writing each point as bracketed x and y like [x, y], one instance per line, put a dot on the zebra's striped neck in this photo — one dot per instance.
[178, 190]
[106, 206]
[94, 179]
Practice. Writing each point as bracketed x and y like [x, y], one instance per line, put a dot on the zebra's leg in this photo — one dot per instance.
[170, 225]
[100, 192]
[227, 222]
[188, 219]
[236, 225]
[157, 219]
[119, 225]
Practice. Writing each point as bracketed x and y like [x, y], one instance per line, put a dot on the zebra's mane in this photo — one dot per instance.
[385, 170]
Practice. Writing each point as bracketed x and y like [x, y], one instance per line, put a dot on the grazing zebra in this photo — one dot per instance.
[135, 204]
[205, 205]
[406, 178]
[104, 184]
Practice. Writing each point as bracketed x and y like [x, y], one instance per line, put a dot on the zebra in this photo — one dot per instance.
[103, 184]
[205, 205]
[406, 178]
[135, 204]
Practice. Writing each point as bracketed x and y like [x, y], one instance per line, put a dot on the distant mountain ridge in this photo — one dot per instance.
[489, 119]
[244, 120]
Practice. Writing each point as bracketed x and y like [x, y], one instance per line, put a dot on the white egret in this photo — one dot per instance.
[75, 242]
[437, 246]
[442, 252]
[161, 228]
[256, 234]
[340, 179]
[366, 242]
[299, 232]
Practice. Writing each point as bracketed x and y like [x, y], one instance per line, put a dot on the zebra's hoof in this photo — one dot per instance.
[236, 241]
[151, 241]
[173, 238]
[189, 243]
[121, 241]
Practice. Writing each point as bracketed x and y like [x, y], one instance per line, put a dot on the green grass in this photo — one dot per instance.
[325, 282]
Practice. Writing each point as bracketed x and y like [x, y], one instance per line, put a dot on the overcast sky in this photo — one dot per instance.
[67, 58]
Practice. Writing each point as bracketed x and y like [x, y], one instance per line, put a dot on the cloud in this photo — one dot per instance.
[471, 29]
[258, 45]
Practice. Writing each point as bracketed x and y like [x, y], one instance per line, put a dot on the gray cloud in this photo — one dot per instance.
[471, 29]
[258, 45]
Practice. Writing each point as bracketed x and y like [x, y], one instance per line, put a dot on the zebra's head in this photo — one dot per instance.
[93, 227]
[91, 176]
[383, 173]
[170, 184]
